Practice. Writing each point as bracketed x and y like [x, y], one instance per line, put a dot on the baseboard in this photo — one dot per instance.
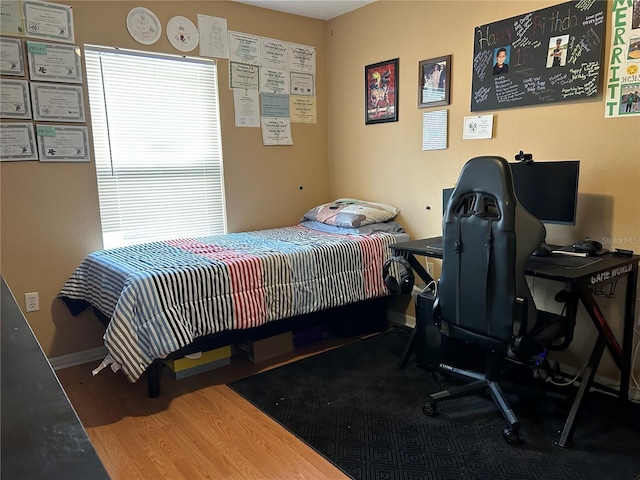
[78, 358]
[401, 319]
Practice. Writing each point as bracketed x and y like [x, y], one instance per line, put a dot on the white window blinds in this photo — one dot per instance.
[158, 152]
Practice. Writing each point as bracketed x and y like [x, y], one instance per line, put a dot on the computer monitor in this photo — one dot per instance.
[548, 190]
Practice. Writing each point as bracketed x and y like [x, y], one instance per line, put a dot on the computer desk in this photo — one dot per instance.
[578, 283]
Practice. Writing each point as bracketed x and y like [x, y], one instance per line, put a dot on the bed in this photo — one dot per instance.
[162, 298]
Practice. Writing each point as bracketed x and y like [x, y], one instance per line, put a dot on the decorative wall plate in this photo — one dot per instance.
[182, 34]
[143, 25]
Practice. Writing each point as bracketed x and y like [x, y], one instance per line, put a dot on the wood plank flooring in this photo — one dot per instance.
[197, 429]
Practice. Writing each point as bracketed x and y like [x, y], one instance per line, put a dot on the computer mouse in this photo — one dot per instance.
[587, 246]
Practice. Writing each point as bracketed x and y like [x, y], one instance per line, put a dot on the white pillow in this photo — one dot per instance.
[350, 212]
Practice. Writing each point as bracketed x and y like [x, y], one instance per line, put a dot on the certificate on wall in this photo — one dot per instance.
[63, 143]
[244, 48]
[53, 62]
[243, 76]
[274, 81]
[303, 109]
[17, 142]
[302, 58]
[11, 21]
[276, 131]
[11, 58]
[57, 103]
[303, 84]
[274, 53]
[49, 21]
[15, 102]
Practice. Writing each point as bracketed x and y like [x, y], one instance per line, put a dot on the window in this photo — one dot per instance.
[156, 138]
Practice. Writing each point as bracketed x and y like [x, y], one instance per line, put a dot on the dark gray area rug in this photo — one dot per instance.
[353, 407]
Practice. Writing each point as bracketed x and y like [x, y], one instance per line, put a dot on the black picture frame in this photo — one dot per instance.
[434, 82]
[381, 92]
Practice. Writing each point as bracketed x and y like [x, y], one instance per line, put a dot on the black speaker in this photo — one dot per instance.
[405, 284]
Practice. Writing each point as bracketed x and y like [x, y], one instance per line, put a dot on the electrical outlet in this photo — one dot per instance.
[32, 302]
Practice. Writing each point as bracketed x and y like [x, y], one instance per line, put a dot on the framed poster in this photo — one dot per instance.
[434, 80]
[381, 92]
[548, 55]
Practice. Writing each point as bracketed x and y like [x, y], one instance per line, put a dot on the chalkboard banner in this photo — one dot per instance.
[550, 55]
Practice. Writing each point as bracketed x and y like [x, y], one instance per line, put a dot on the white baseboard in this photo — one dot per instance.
[78, 358]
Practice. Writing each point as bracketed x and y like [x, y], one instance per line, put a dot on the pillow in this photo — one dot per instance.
[349, 212]
[389, 227]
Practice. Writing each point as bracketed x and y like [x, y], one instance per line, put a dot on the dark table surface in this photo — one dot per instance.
[42, 437]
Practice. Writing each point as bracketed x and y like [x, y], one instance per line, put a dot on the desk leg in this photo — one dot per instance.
[627, 336]
[585, 385]
[408, 350]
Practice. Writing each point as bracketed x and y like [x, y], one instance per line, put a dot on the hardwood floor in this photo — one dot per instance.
[197, 429]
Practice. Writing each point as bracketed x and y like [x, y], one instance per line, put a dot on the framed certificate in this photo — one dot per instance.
[48, 21]
[11, 57]
[17, 142]
[63, 143]
[54, 62]
[57, 103]
[15, 99]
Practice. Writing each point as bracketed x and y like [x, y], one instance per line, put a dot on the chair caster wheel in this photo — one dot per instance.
[510, 436]
[429, 409]
[439, 377]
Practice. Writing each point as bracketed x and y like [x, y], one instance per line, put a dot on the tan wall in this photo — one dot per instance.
[50, 215]
[386, 161]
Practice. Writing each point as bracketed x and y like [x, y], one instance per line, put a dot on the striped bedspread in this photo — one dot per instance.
[160, 296]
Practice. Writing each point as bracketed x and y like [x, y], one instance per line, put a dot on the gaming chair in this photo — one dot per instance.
[482, 295]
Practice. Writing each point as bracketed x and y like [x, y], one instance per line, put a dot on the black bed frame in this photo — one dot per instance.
[361, 318]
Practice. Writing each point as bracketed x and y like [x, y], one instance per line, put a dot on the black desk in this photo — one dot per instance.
[578, 283]
[41, 434]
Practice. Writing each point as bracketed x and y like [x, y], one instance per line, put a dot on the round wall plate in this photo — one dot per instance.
[143, 25]
[182, 34]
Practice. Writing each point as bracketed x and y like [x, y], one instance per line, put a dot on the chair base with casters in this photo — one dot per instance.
[479, 383]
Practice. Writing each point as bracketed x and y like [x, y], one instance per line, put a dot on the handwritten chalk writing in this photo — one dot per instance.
[584, 5]
[595, 19]
[588, 42]
[577, 74]
[591, 68]
[533, 84]
[586, 90]
[522, 56]
[481, 62]
[525, 42]
[500, 37]
[506, 90]
[560, 79]
[481, 94]
[565, 23]
[522, 25]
